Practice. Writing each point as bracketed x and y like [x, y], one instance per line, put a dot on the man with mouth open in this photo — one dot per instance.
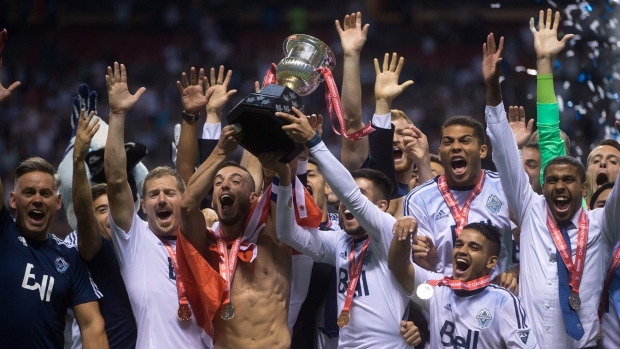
[603, 165]
[371, 303]
[466, 310]
[564, 248]
[146, 251]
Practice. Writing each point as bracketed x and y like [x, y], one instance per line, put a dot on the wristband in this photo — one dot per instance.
[316, 139]
[189, 117]
[275, 188]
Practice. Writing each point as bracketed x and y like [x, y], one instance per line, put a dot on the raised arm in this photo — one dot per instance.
[115, 158]
[352, 39]
[399, 256]
[91, 325]
[416, 147]
[192, 220]
[5, 92]
[89, 237]
[505, 153]
[611, 222]
[547, 46]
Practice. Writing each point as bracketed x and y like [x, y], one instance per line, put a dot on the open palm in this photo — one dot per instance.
[353, 37]
[546, 43]
[386, 83]
[119, 98]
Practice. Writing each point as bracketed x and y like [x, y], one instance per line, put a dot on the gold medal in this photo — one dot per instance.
[574, 301]
[184, 313]
[228, 313]
[343, 319]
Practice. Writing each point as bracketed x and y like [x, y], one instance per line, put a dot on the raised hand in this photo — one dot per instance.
[353, 36]
[492, 57]
[119, 98]
[271, 161]
[86, 129]
[386, 84]
[193, 95]
[416, 143]
[425, 253]
[221, 94]
[299, 129]
[520, 129]
[546, 43]
[229, 139]
[316, 121]
[6, 92]
[405, 229]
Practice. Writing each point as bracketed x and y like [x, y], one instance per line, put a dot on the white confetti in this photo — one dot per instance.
[532, 71]
[570, 53]
[553, 4]
[618, 115]
[566, 85]
[578, 27]
[601, 93]
[501, 79]
[520, 69]
[590, 105]
[591, 85]
[560, 103]
[594, 25]
[601, 120]
[531, 95]
[497, 5]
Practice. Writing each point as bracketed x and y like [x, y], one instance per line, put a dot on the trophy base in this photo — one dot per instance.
[262, 129]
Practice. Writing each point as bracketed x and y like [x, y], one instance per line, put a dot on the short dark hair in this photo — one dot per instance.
[567, 160]
[98, 190]
[381, 183]
[162, 171]
[231, 163]
[435, 158]
[36, 164]
[532, 145]
[491, 233]
[311, 160]
[466, 121]
[611, 143]
[597, 193]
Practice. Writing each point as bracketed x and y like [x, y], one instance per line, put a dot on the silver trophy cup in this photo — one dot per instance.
[297, 75]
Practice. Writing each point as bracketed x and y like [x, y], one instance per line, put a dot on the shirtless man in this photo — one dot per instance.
[260, 286]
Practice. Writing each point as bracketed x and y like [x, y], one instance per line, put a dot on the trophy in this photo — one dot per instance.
[298, 74]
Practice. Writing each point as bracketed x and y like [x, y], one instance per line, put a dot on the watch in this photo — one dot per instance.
[189, 117]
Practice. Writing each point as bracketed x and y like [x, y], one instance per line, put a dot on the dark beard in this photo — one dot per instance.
[355, 232]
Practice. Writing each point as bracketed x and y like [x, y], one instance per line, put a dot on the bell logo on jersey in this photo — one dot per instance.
[361, 289]
[450, 340]
[45, 287]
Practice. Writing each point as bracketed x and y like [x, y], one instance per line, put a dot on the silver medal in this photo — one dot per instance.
[425, 291]
[228, 313]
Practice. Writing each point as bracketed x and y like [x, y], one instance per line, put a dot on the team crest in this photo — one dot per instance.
[494, 204]
[484, 318]
[61, 265]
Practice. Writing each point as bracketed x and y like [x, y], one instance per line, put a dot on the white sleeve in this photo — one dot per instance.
[513, 328]
[127, 244]
[515, 182]
[378, 224]
[212, 131]
[382, 121]
[416, 208]
[319, 245]
[611, 215]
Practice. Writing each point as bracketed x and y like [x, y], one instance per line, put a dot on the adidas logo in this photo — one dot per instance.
[441, 215]
[448, 307]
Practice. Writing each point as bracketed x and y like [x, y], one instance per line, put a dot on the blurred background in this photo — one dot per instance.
[54, 45]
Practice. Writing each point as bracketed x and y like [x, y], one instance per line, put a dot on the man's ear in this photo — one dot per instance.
[383, 205]
[328, 189]
[584, 189]
[58, 202]
[142, 205]
[483, 151]
[253, 197]
[12, 200]
[491, 262]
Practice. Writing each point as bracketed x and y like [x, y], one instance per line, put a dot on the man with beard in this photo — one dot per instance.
[371, 303]
[463, 194]
[465, 310]
[146, 251]
[243, 289]
[560, 292]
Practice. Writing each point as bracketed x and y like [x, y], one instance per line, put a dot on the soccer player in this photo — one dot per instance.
[371, 303]
[603, 165]
[463, 194]
[95, 245]
[246, 285]
[146, 251]
[465, 310]
[563, 246]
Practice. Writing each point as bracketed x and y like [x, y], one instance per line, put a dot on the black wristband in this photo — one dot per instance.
[189, 117]
[314, 140]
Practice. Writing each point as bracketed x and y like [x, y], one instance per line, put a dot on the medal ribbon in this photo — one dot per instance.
[462, 285]
[574, 270]
[173, 257]
[270, 76]
[228, 262]
[355, 268]
[459, 214]
[611, 271]
[333, 104]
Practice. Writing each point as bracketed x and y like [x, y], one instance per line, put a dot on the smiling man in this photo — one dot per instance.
[463, 194]
[563, 247]
[465, 310]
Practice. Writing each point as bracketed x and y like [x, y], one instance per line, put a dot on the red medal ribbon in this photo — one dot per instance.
[173, 257]
[332, 97]
[575, 270]
[459, 214]
[462, 285]
[355, 268]
[611, 271]
[270, 76]
[228, 262]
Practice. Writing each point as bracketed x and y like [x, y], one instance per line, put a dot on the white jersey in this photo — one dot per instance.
[435, 219]
[379, 301]
[490, 317]
[150, 279]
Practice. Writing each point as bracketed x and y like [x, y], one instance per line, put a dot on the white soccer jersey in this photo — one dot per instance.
[490, 317]
[150, 279]
[379, 301]
[435, 219]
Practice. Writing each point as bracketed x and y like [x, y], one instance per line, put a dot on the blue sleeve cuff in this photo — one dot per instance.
[314, 141]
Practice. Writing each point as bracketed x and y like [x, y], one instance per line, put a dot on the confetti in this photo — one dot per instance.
[553, 4]
[497, 5]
